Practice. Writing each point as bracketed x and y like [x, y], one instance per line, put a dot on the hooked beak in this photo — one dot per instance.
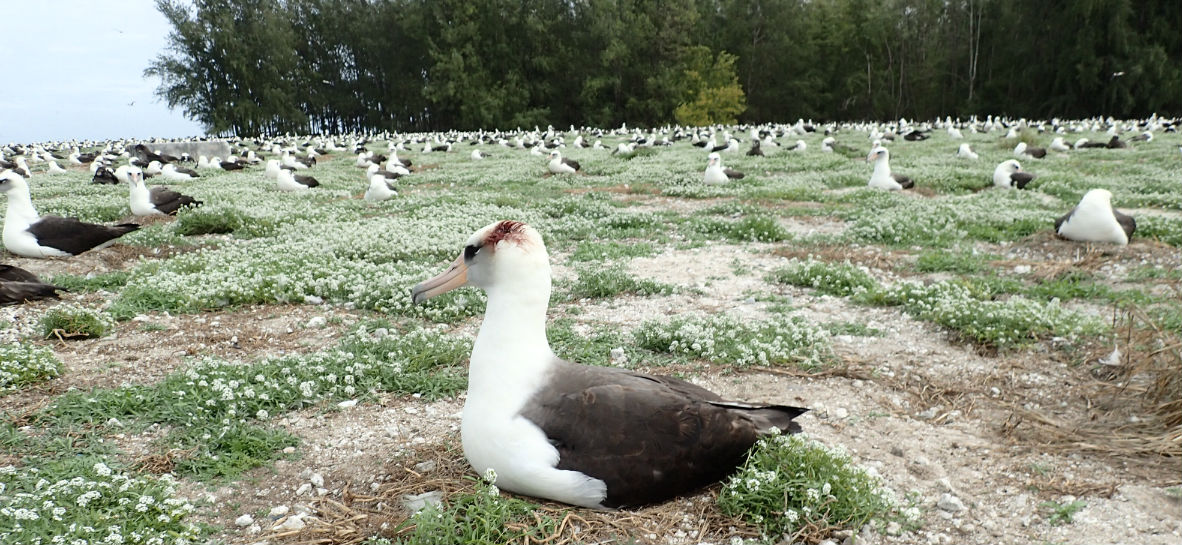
[454, 277]
[871, 157]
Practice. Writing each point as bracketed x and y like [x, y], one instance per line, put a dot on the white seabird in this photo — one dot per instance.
[288, 181]
[883, 178]
[157, 201]
[966, 151]
[379, 189]
[587, 436]
[1095, 220]
[1009, 175]
[560, 165]
[172, 172]
[715, 173]
[30, 235]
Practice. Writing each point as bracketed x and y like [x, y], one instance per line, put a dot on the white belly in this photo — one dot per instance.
[23, 243]
[522, 457]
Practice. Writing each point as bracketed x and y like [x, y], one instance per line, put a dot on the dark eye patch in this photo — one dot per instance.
[470, 252]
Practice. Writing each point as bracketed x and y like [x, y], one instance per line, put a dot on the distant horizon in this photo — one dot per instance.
[82, 83]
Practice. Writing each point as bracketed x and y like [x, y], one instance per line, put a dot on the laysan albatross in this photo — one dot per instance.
[1095, 220]
[882, 177]
[587, 436]
[30, 235]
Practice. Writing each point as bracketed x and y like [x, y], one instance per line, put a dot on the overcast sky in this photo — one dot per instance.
[73, 69]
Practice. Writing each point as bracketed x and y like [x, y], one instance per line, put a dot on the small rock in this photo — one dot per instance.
[893, 528]
[381, 333]
[1021, 269]
[244, 521]
[928, 414]
[313, 300]
[278, 511]
[425, 467]
[897, 451]
[316, 322]
[618, 355]
[317, 480]
[828, 542]
[288, 450]
[840, 413]
[945, 485]
[293, 523]
[347, 403]
[303, 489]
[417, 502]
[950, 503]
[114, 423]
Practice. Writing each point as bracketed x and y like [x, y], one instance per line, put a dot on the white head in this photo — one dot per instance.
[713, 159]
[11, 180]
[1097, 197]
[506, 255]
[554, 155]
[1010, 165]
[879, 153]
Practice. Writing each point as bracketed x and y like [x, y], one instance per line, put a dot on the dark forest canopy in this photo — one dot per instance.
[268, 66]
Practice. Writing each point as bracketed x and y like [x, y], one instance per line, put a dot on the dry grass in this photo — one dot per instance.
[357, 516]
[1134, 405]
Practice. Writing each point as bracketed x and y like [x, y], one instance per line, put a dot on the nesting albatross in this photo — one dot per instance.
[588, 436]
[1009, 175]
[30, 235]
[1095, 220]
[883, 178]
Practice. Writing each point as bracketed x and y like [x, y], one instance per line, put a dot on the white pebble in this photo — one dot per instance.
[278, 511]
[244, 521]
[950, 503]
[347, 403]
[313, 300]
[317, 480]
[317, 322]
[303, 489]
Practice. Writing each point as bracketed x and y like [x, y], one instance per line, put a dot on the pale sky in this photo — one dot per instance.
[73, 69]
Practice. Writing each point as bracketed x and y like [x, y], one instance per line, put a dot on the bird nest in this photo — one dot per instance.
[357, 515]
[1134, 399]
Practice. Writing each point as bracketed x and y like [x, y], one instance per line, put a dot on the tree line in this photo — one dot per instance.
[252, 67]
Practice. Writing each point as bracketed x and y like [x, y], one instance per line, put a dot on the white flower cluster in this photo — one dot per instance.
[90, 507]
[831, 278]
[1008, 322]
[22, 364]
[728, 339]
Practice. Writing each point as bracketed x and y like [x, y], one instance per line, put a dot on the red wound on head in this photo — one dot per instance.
[504, 230]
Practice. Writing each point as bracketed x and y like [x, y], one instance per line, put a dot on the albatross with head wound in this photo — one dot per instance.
[588, 436]
[561, 165]
[1095, 220]
[716, 173]
[1009, 175]
[30, 235]
[883, 178]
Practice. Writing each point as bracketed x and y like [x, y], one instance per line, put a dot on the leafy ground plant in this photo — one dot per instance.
[595, 283]
[829, 278]
[791, 486]
[22, 364]
[81, 499]
[728, 339]
[1061, 513]
[74, 322]
[482, 516]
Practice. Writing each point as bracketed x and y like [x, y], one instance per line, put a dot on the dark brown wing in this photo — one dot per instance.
[1020, 179]
[571, 163]
[306, 180]
[12, 273]
[73, 236]
[733, 174]
[1059, 222]
[12, 293]
[1037, 153]
[904, 181]
[188, 171]
[233, 166]
[648, 438]
[1126, 222]
[169, 201]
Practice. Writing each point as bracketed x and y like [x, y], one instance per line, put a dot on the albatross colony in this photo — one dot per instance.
[587, 436]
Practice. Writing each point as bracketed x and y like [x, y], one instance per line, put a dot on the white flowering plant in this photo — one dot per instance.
[791, 485]
[22, 363]
[480, 515]
[83, 499]
[730, 339]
